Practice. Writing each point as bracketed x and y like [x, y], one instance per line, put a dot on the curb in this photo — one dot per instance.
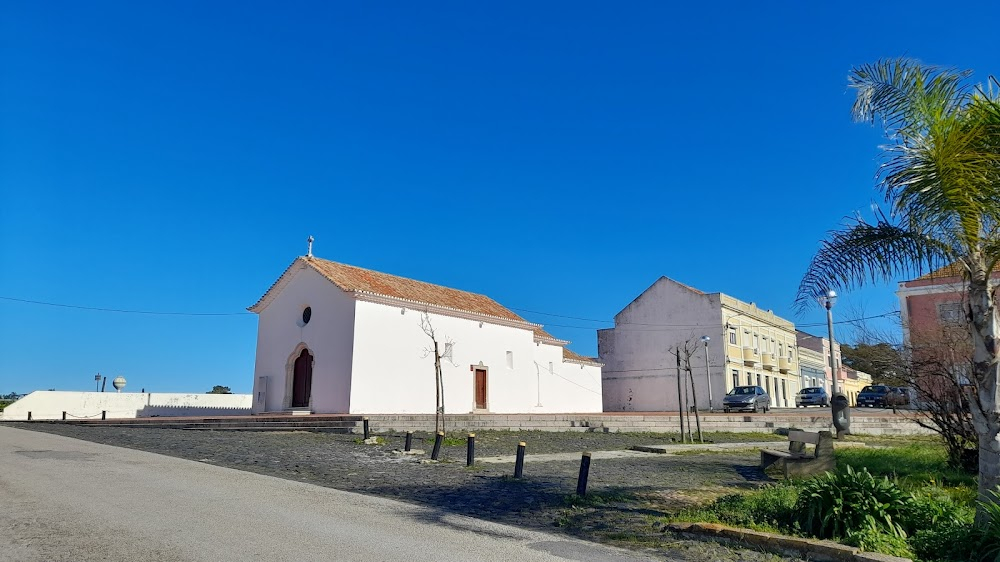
[811, 549]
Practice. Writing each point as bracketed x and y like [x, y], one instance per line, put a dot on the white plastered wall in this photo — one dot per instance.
[640, 372]
[328, 336]
[394, 371]
[50, 404]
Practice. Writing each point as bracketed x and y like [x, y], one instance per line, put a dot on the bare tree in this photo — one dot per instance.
[935, 365]
[684, 352]
[428, 329]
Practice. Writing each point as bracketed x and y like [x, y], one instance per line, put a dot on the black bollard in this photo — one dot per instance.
[29, 416]
[365, 421]
[470, 452]
[437, 445]
[409, 440]
[581, 483]
[519, 464]
[104, 414]
[64, 416]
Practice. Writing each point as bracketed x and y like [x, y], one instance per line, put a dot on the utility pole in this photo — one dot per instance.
[687, 407]
[680, 407]
[708, 372]
[694, 396]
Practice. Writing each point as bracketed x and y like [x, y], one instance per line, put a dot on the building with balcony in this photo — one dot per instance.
[814, 361]
[748, 345]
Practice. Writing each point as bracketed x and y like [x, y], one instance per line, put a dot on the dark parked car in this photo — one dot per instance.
[876, 396]
[752, 398]
[812, 396]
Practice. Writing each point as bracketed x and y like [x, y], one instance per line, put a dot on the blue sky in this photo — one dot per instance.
[559, 158]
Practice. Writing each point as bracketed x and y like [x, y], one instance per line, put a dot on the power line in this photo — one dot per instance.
[653, 327]
[125, 311]
[681, 327]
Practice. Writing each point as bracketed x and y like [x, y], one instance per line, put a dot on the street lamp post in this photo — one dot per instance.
[828, 299]
[97, 379]
[708, 372]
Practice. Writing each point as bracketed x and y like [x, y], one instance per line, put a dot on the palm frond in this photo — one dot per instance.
[905, 94]
[865, 252]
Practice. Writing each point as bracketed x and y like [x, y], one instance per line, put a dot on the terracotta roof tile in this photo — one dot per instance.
[542, 334]
[351, 278]
[570, 355]
[953, 269]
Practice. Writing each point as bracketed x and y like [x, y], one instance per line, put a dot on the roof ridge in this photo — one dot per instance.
[360, 280]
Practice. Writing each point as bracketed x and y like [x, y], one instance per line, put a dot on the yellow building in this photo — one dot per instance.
[853, 382]
[760, 350]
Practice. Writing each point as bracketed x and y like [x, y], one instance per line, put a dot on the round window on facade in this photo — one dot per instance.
[307, 315]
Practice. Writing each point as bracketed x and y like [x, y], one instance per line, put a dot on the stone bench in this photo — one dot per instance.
[797, 460]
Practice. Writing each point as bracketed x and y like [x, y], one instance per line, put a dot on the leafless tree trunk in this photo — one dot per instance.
[428, 328]
[684, 353]
[694, 397]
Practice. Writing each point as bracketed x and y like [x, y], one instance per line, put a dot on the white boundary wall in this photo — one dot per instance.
[50, 404]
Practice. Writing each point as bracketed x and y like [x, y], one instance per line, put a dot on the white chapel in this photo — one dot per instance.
[334, 338]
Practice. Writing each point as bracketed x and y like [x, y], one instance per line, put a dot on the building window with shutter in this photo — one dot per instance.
[950, 312]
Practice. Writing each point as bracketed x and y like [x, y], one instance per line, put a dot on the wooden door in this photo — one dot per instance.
[302, 380]
[480, 389]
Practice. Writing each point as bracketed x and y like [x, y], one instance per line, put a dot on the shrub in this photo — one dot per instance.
[989, 534]
[931, 507]
[836, 503]
[877, 540]
[955, 542]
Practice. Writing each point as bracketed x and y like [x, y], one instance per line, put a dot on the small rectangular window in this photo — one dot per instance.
[736, 378]
[510, 359]
[950, 312]
[732, 336]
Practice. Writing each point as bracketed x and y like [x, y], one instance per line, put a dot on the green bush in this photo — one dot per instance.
[836, 503]
[989, 534]
[932, 506]
[877, 540]
[950, 542]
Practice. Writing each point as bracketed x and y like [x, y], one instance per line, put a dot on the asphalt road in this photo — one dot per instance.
[71, 500]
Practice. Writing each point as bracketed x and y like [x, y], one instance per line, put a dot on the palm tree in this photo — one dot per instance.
[940, 178]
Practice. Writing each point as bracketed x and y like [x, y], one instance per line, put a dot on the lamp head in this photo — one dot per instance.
[829, 298]
[705, 339]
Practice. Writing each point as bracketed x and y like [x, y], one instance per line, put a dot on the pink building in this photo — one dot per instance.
[932, 303]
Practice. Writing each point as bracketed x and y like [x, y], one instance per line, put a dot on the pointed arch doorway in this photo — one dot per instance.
[302, 380]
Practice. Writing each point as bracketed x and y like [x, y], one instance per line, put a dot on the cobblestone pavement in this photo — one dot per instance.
[624, 496]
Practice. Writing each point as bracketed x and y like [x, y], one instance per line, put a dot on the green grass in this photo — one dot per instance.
[912, 466]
